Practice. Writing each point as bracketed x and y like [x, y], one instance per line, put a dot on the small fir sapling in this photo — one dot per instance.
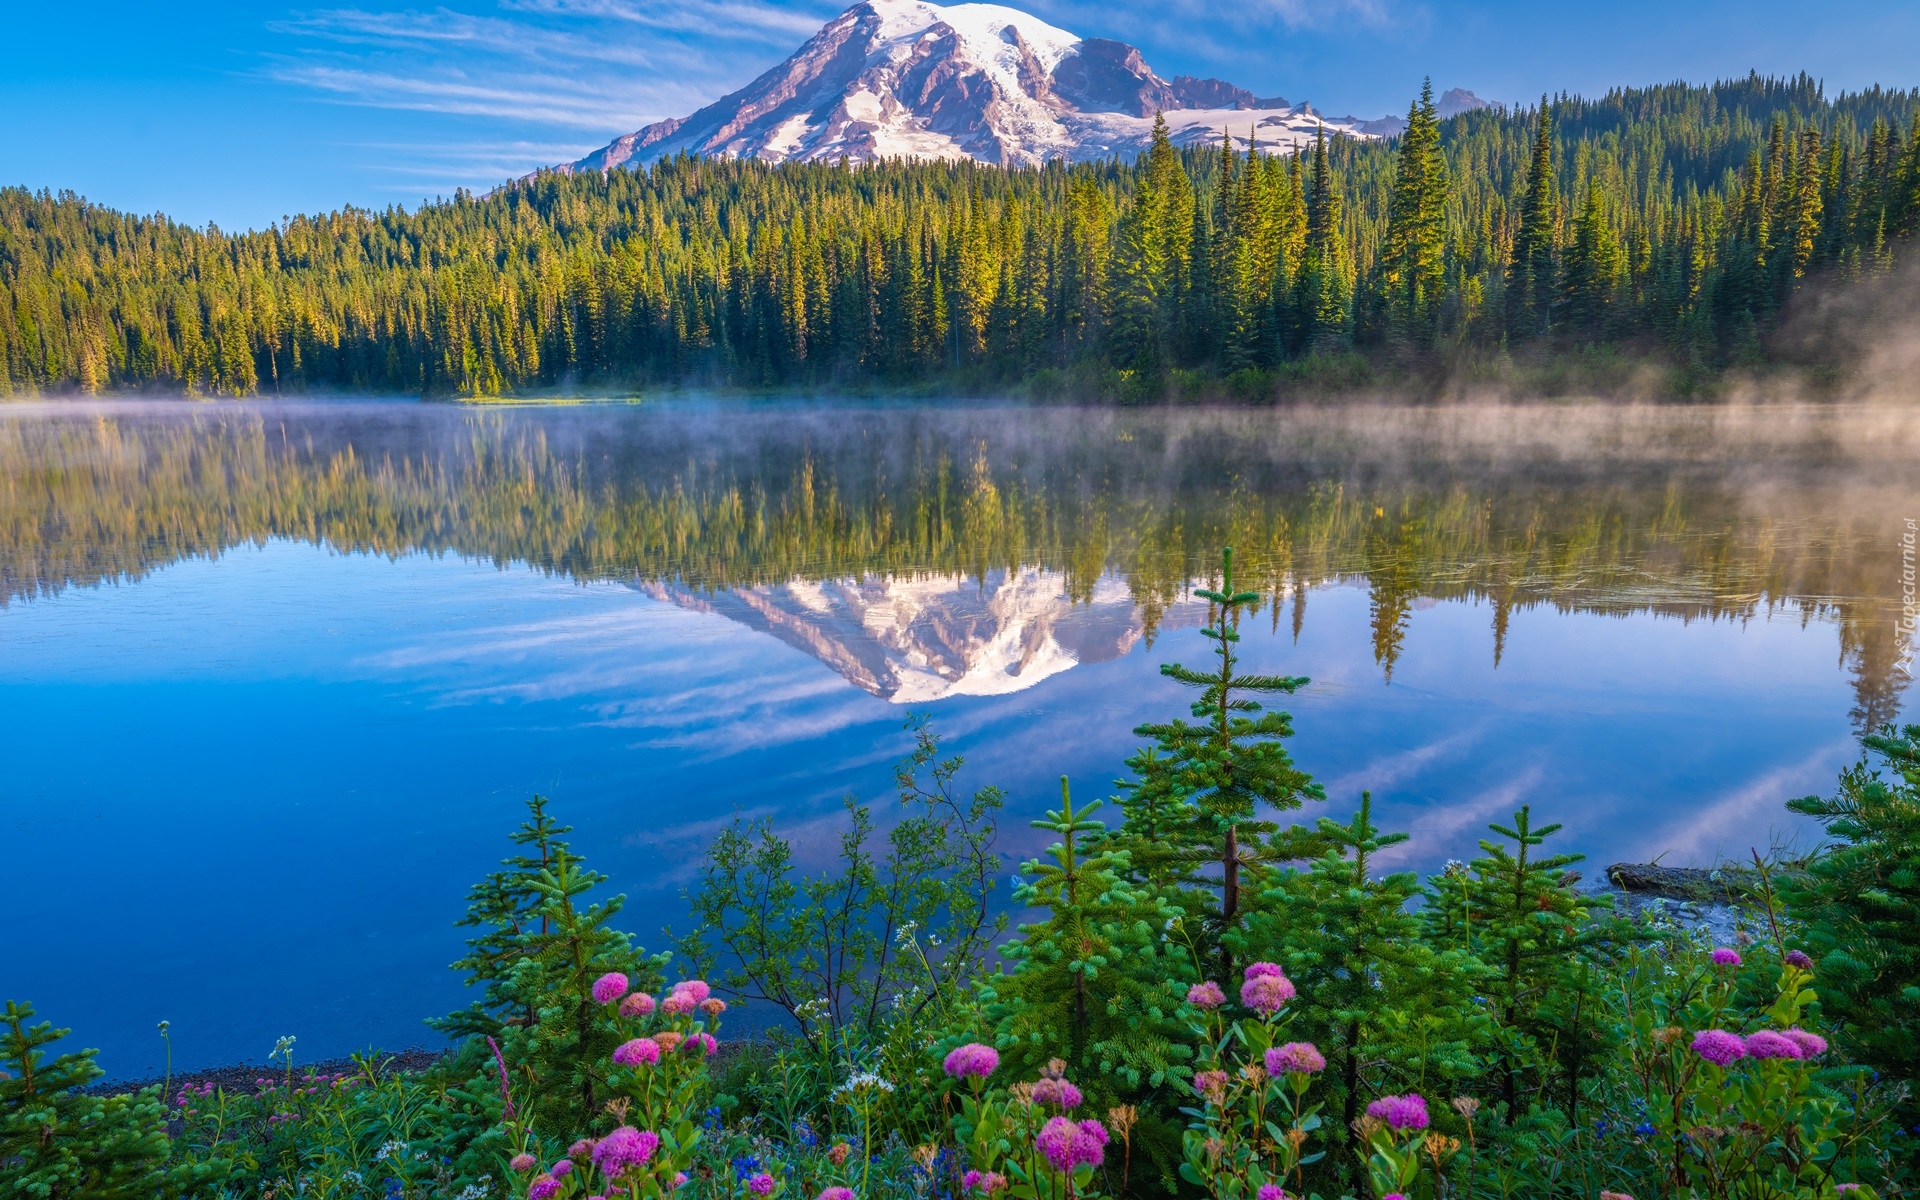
[1520, 915]
[541, 945]
[57, 1142]
[1196, 799]
[1858, 906]
[1094, 983]
[1389, 1010]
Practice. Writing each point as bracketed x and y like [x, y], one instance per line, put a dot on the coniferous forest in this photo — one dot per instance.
[1672, 224]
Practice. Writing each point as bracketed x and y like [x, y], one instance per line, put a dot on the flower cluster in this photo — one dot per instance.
[1068, 1144]
[1297, 1058]
[624, 1149]
[1266, 989]
[1401, 1113]
[1206, 995]
[1056, 1092]
[610, 987]
[1721, 1048]
[972, 1061]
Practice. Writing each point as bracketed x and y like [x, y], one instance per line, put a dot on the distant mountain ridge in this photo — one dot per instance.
[910, 79]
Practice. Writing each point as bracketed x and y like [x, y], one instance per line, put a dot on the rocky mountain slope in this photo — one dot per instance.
[904, 78]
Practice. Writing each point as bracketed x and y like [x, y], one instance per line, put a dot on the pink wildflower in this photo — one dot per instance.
[1067, 1145]
[1401, 1113]
[560, 1169]
[1846, 1187]
[522, 1162]
[623, 1149]
[713, 1006]
[1768, 1044]
[1723, 956]
[1259, 969]
[1057, 1092]
[678, 1004]
[639, 1004]
[1272, 1191]
[761, 1184]
[609, 987]
[705, 1042]
[1206, 995]
[1718, 1046]
[1796, 959]
[696, 988]
[1298, 1058]
[1211, 1084]
[975, 1060]
[1812, 1045]
[836, 1193]
[1267, 991]
[581, 1149]
[543, 1187]
[636, 1052]
[1606, 1195]
[679, 1179]
[970, 1181]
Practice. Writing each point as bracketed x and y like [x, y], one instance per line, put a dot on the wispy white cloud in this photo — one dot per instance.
[1749, 808]
[596, 69]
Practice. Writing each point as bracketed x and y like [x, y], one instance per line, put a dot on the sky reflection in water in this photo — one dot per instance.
[253, 785]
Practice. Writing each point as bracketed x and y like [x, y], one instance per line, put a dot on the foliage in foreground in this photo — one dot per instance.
[1490, 1032]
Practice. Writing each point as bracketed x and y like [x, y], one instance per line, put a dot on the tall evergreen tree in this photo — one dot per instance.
[1532, 269]
[1413, 262]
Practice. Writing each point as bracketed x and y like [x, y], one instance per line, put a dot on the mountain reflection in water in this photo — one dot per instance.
[924, 552]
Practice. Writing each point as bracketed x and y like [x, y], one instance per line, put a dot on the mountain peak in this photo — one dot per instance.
[911, 79]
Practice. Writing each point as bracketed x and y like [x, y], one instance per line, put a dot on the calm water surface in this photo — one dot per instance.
[276, 679]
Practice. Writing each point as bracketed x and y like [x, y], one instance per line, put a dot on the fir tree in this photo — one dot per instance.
[1520, 915]
[1194, 806]
[1390, 1011]
[1322, 293]
[1095, 983]
[541, 945]
[1531, 270]
[1413, 263]
[1860, 907]
[1594, 263]
[58, 1142]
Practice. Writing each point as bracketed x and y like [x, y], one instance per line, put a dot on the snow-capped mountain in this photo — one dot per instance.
[916, 640]
[904, 78]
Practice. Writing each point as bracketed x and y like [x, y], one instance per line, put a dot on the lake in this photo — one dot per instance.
[276, 679]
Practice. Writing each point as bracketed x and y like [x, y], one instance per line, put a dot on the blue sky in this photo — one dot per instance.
[237, 113]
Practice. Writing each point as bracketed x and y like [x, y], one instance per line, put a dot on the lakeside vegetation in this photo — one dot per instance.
[1670, 224]
[1207, 996]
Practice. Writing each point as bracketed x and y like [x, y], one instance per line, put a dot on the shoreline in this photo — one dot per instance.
[245, 1078]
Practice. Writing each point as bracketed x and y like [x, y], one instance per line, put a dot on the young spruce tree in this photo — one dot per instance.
[1521, 917]
[59, 1143]
[541, 945]
[1391, 1012]
[1194, 824]
[1860, 907]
